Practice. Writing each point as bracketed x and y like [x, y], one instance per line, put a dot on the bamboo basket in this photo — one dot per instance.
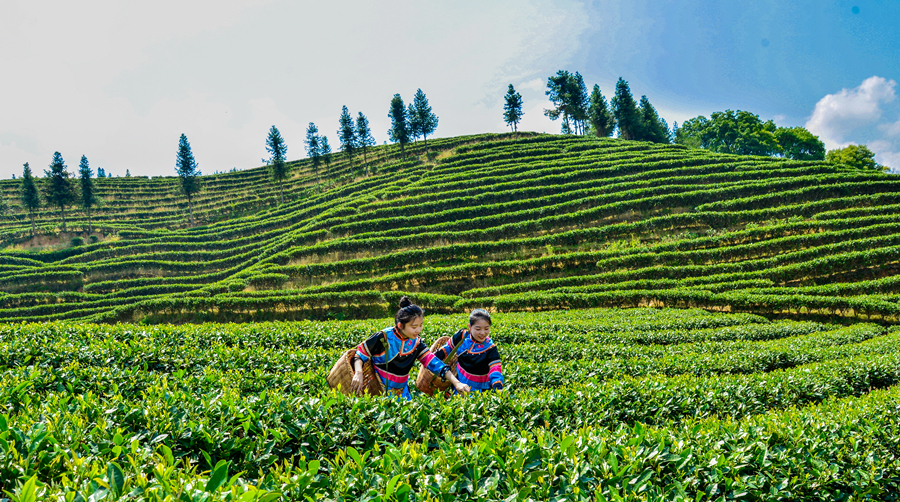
[428, 382]
[341, 375]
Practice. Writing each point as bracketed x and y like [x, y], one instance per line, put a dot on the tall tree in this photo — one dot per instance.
[601, 118]
[326, 152]
[347, 134]
[559, 91]
[413, 124]
[426, 121]
[188, 173]
[101, 173]
[31, 199]
[399, 131]
[855, 156]
[313, 148]
[58, 189]
[655, 128]
[512, 109]
[579, 102]
[799, 144]
[364, 137]
[625, 110]
[88, 194]
[277, 148]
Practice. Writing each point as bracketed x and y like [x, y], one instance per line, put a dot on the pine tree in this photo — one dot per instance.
[655, 128]
[579, 102]
[88, 197]
[347, 134]
[277, 148]
[399, 131]
[188, 173]
[326, 152]
[512, 109]
[601, 118]
[558, 91]
[625, 110]
[313, 148]
[413, 125]
[364, 137]
[127, 173]
[101, 173]
[426, 121]
[58, 190]
[31, 199]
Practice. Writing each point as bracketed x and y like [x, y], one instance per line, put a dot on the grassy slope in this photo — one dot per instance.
[546, 222]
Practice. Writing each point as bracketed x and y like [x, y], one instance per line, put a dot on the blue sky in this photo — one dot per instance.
[119, 82]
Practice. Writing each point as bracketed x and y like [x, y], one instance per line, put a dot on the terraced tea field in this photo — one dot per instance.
[621, 404]
[546, 222]
[774, 379]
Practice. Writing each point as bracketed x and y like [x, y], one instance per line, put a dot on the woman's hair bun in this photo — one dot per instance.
[405, 302]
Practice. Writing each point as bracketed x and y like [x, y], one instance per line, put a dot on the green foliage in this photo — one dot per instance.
[655, 127]
[399, 131]
[278, 169]
[29, 195]
[568, 94]
[854, 156]
[422, 120]
[740, 132]
[618, 404]
[58, 188]
[603, 123]
[347, 134]
[313, 147]
[512, 108]
[364, 137]
[188, 173]
[799, 144]
[628, 117]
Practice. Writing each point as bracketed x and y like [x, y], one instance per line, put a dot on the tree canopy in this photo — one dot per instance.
[740, 132]
[568, 94]
[602, 121]
[58, 189]
[31, 199]
[399, 131]
[188, 173]
[277, 148]
[625, 110]
[799, 144]
[88, 194]
[347, 134]
[422, 120]
[512, 108]
[855, 156]
[364, 137]
[313, 147]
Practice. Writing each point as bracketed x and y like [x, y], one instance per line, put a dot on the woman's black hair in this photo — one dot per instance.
[479, 314]
[408, 311]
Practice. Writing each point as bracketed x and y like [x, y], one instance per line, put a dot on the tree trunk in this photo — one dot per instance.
[402, 151]
[31, 213]
[191, 209]
[62, 211]
[90, 224]
[281, 187]
[425, 140]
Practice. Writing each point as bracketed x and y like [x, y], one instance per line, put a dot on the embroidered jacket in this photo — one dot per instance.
[479, 363]
[392, 363]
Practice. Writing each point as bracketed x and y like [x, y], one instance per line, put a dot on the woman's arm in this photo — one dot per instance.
[459, 386]
[356, 384]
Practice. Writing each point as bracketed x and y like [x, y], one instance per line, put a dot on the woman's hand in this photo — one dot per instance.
[356, 385]
[461, 387]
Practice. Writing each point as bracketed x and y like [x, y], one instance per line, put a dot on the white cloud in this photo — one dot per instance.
[866, 114]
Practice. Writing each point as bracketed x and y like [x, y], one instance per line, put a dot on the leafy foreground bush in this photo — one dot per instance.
[649, 405]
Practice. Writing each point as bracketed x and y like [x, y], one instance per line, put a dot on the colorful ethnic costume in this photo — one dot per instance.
[392, 364]
[479, 363]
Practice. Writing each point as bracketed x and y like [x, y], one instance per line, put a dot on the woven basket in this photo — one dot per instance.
[428, 382]
[341, 375]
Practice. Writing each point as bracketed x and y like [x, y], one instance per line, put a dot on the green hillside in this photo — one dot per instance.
[545, 222]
